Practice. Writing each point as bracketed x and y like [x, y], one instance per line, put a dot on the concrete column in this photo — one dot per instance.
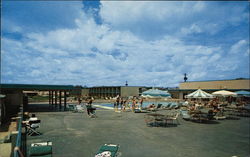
[181, 95]
[52, 97]
[65, 100]
[49, 97]
[60, 100]
[56, 99]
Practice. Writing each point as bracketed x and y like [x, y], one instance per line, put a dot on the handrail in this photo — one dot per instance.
[17, 150]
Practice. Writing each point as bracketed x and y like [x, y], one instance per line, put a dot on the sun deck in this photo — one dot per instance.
[75, 134]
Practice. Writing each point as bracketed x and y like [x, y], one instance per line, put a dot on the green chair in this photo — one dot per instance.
[41, 149]
[112, 148]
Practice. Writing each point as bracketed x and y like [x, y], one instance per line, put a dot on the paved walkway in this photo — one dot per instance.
[75, 135]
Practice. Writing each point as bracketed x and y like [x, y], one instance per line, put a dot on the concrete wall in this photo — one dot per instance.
[11, 104]
[85, 92]
[129, 91]
[174, 94]
[224, 84]
[2, 113]
[43, 93]
[14, 99]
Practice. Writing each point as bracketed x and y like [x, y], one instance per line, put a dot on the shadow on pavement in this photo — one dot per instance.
[44, 108]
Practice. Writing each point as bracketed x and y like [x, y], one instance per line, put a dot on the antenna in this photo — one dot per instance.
[185, 77]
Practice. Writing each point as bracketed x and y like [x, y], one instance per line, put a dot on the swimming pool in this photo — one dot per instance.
[146, 104]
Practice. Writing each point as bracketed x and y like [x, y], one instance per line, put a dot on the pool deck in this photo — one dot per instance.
[76, 134]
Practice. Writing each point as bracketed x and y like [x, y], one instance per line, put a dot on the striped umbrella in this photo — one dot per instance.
[156, 93]
[224, 93]
[243, 93]
[199, 94]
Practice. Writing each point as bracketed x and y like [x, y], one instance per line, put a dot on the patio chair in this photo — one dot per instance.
[110, 150]
[79, 109]
[71, 107]
[210, 115]
[185, 115]
[219, 116]
[172, 119]
[32, 126]
[43, 149]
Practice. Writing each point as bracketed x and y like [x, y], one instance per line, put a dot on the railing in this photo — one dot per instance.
[17, 149]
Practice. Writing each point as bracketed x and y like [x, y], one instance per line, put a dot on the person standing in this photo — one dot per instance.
[133, 104]
[89, 106]
[121, 103]
[117, 102]
[141, 103]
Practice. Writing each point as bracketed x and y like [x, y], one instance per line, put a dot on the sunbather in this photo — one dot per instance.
[151, 106]
[32, 118]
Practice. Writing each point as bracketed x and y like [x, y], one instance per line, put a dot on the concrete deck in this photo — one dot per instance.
[75, 135]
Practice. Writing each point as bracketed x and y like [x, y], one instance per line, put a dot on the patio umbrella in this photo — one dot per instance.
[156, 94]
[243, 93]
[199, 94]
[224, 93]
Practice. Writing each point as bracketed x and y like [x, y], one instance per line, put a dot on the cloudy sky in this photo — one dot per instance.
[108, 42]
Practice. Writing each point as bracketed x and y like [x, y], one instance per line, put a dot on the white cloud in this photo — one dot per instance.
[11, 27]
[171, 17]
[239, 47]
[92, 54]
[194, 28]
[144, 61]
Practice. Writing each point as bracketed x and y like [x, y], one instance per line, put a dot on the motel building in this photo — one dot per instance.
[188, 87]
[113, 91]
[184, 88]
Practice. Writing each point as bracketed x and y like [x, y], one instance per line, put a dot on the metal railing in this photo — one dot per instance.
[17, 149]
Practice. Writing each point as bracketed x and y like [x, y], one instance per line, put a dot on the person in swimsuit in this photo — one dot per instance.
[141, 103]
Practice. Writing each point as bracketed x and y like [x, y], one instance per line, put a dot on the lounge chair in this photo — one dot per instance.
[155, 109]
[110, 150]
[167, 106]
[140, 110]
[174, 106]
[43, 149]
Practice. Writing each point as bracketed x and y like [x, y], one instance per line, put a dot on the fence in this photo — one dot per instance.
[18, 146]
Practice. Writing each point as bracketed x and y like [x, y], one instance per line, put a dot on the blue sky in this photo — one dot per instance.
[108, 42]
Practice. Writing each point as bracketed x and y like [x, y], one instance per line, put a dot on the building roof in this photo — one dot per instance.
[36, 87]
[172, 90]
[219, 80]
[219, 84]
[113, 86]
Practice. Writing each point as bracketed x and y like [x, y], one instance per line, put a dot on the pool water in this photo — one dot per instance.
[146, 104]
